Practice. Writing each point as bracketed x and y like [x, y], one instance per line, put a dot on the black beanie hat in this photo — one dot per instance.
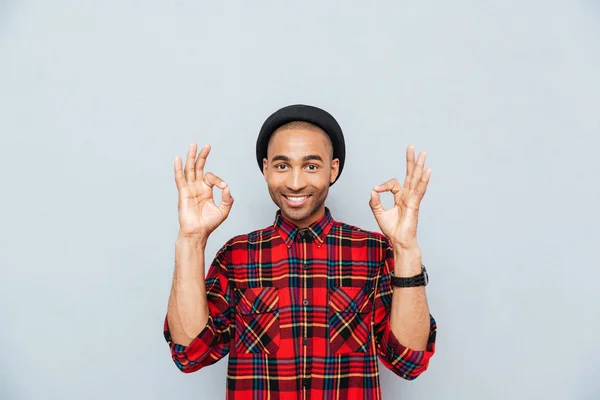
[301, 112]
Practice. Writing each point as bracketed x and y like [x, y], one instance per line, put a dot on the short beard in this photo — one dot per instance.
[298, 215]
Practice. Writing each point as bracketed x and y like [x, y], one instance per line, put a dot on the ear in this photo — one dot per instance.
[265, 163]
[335, 169]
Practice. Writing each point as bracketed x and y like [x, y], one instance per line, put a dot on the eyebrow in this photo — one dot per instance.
[305, 158]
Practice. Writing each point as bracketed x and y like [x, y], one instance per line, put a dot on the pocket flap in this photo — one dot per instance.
[256, 300]
[350, 299]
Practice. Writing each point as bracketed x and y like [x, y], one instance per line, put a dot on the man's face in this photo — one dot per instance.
[298, 170]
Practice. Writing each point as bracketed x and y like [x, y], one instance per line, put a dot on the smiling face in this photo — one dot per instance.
[299, 169]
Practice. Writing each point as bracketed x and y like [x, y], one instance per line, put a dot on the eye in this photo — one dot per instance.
[313, 167]
[280, 167]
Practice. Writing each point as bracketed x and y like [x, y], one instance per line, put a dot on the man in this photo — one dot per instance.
[305, 306]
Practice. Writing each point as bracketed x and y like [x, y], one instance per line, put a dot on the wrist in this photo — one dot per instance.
[405, 245]
[406, 252]
[407, 262]
[198, 241]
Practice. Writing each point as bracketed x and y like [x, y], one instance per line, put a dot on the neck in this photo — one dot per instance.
[303, 223]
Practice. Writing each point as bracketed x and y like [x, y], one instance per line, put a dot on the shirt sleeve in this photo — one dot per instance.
[212, 343]
[403, 361]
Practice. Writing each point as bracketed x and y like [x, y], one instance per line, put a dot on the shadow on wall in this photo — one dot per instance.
[589, 384]
[7, 9]
[7, 390]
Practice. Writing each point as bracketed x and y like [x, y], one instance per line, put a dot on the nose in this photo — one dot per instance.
[296, 181]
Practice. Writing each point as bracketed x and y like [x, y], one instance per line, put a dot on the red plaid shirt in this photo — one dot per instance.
[303, 314]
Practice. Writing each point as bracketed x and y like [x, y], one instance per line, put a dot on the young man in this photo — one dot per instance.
[305, 306]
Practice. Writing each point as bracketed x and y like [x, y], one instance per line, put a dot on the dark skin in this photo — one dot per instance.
[300, 165]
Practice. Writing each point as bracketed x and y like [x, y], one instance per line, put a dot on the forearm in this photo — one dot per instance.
[409, 319]
[188, 307]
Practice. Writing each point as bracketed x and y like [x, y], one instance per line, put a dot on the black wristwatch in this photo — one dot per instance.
[418, 280]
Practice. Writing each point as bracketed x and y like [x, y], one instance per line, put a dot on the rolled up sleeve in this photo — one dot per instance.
[403, 361]
[212, 343]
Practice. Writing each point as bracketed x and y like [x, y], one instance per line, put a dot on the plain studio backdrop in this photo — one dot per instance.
[97, 98]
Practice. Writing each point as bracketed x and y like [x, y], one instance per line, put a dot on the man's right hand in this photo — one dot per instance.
[199, 216]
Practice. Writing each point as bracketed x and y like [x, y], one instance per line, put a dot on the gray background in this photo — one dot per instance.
[97, 98]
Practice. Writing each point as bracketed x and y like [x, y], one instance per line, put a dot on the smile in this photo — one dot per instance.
[295, 201]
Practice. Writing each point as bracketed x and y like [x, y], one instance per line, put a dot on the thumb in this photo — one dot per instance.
[226, 201]
[375, 204]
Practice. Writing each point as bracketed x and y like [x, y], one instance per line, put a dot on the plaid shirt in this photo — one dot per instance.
[303, 314]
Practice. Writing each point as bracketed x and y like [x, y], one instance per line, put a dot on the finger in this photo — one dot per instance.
[375, 203]
[212, 180]
[226, 202]
[410, 165]
[179, 177]
[201, 161]
[418, 170]
[422, 185]
[190, 175]
[390, 186]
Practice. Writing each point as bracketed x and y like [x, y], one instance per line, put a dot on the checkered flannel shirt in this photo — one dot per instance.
[303, 314]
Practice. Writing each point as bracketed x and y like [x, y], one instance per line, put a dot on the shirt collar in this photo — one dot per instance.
[318, 230]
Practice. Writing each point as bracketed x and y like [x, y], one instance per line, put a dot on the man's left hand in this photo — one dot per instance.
[399, 223]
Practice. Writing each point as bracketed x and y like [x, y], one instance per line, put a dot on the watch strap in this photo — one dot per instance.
[418, 280]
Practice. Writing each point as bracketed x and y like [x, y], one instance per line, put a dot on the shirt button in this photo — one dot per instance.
[305, 302]
[301, 233]
[304, 266]
[305, 342]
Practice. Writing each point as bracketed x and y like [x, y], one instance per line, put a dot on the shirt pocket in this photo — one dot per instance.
[350, 315]
[257, 320]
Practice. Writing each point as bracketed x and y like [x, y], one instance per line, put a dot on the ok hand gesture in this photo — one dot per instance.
[199, 216]
[399, 223]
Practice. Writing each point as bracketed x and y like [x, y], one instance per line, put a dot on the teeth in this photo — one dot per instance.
[296, 199]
